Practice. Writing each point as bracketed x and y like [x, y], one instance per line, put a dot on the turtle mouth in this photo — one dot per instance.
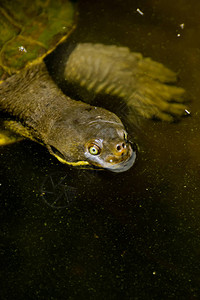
[123, 165]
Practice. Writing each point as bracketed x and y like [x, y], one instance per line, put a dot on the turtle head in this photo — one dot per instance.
[91, 136]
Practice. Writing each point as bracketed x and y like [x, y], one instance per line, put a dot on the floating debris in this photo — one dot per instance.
[22, 49]
[139, 11]
[187, 112]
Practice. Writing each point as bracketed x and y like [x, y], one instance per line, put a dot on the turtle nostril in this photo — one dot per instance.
[121, 147]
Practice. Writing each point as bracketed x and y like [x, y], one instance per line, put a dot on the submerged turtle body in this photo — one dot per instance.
[75, 132]
[30, 30]
[38, 109]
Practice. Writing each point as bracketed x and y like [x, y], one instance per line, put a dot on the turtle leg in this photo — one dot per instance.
[8, 137]
[143, 83]
[12, 132]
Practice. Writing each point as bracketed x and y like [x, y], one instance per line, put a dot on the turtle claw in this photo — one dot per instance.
[157, 100]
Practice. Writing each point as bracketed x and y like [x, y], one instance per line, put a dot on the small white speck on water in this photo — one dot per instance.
[178, 35]
[182, 26]
[22, 49]
[187, 112]
[139, 11]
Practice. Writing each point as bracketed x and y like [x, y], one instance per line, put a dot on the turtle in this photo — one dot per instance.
[75, 132]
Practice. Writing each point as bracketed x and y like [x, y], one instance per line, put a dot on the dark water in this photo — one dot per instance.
[70, 234]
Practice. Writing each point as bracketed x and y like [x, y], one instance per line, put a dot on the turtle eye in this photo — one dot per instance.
[94, 149]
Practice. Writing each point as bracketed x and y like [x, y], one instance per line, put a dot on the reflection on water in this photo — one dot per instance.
[116, 236]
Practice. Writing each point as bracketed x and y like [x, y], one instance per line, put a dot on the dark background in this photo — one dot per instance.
[134, 235]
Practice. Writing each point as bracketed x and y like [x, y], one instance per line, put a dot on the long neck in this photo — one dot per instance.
[33, 98]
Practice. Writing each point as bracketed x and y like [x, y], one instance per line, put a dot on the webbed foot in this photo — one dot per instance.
[153, 95]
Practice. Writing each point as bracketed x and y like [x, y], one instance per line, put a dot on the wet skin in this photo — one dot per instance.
[74, 132]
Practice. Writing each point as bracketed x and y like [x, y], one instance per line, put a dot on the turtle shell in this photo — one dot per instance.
[30, 30]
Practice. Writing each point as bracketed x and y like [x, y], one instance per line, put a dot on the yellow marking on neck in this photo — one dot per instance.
[78, 163]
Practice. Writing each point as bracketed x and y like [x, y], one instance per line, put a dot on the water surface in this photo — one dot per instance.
[70, 234]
